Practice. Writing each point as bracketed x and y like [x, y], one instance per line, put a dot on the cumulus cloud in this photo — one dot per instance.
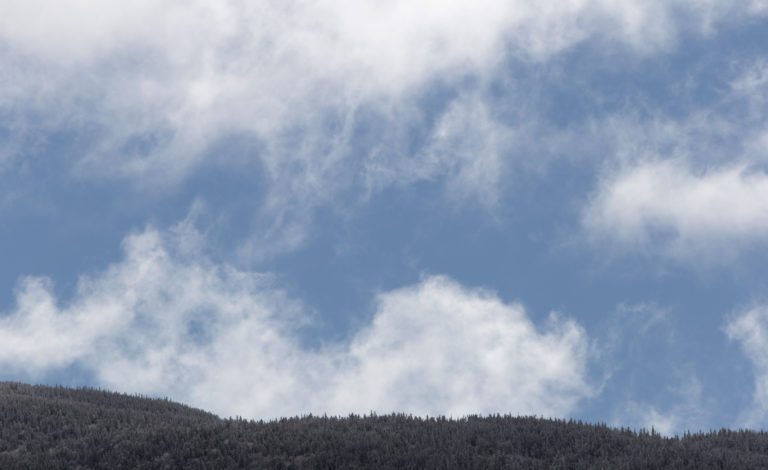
[439, 346]
[750, 329]
[167, 321]
[667, 206]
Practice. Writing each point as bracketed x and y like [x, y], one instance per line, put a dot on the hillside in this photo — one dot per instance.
[56, 427]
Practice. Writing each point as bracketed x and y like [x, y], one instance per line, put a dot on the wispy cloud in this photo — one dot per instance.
[687, 413]
[650, 379]
[750, 329]
[147, 89]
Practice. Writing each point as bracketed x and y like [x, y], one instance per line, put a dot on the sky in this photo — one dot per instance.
[266, 209]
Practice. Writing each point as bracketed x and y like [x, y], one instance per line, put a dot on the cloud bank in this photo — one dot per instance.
[167, 321]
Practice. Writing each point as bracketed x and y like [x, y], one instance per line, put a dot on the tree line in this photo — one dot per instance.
[66, 428]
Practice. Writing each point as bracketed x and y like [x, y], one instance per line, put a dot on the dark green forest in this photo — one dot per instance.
[57, 427]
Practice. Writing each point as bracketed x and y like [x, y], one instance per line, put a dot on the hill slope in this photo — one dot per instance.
[55, 427]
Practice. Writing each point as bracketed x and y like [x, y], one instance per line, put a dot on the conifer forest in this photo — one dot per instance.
[65, 428]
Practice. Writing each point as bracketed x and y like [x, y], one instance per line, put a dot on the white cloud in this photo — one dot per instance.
[167, 321]
[439, 347]
[150, 86]
[398, 40]
[666, 206]
[751, 330]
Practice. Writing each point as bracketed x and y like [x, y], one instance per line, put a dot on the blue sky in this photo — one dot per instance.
[550, 208]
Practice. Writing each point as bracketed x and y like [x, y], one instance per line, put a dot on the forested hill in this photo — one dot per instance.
[54, 427]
